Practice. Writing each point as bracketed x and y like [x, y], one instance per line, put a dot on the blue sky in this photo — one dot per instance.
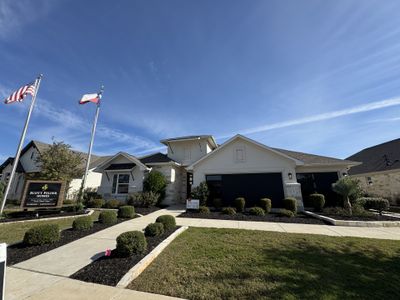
[314, 76]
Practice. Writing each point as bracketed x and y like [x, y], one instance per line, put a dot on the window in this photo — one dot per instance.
[120, 184]
[32, 155]
[369, 180]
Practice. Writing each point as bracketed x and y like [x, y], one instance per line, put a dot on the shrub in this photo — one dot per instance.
[126, 212]
[68, 202]
[290, 204]
[168, 222]
[379, 204]
[90, 194]
[82, 223]
[42, 234]
[217, 202]
[240, 204]
[257, 211]
[285, 213]
[130, 243]
[265, 204]
[108, 217]
[143, 199]
[229, 211]
[154, 229]
[114, 203]
[201, 192]
[204, 210]
[347, 187]
[318, 201]
[95, 203]
[155, 182]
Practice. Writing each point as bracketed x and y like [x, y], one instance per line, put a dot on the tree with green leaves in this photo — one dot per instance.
[155, 182]
[346, 187]
[201, 192]
[59, 162]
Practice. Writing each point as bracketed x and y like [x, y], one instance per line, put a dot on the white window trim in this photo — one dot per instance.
[235, 154]
[118, 184]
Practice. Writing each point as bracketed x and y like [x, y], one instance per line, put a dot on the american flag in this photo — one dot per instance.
[20, 94]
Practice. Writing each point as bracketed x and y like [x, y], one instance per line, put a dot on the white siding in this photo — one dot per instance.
[188, 152]
[241, 156]
[93, 181]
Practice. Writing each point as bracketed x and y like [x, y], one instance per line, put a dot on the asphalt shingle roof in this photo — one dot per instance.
[382, 157]
[156, 158]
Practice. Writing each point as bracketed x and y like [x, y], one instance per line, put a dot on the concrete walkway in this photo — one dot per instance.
[391, 233]
[46, 276]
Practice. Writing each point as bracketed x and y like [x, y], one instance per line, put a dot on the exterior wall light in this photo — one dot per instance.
[290, 175]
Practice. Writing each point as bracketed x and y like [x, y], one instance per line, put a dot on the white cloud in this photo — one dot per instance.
[320, 117]
[385, 120]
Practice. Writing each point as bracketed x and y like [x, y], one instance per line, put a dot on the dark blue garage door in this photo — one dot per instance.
[252, 187]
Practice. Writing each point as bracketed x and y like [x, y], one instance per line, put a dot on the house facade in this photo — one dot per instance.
[240, 167]
[379, 174]
[28, 165]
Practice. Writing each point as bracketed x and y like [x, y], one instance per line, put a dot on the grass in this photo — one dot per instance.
[12, 233]
[241, 264]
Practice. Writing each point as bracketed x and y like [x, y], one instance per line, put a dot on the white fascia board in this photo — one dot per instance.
[141, 166]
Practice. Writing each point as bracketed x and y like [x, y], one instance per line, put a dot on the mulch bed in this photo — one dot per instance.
[271, 217]
[31, 215]
[109, 270]
[146, 210]
[360, 218]
[19, 252]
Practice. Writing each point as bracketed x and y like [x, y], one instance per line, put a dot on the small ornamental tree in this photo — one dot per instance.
[155, 182]
[346, 187]
[201, 192]
[59, 162]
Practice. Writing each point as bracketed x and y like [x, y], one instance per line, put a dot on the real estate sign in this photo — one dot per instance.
[43, 194]
[192, 204]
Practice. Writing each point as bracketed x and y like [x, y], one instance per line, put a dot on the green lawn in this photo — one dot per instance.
[11, 233]
[241, 264]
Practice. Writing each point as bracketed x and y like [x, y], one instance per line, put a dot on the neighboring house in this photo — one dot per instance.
[379, 173]
[27, 165]
[238, 167]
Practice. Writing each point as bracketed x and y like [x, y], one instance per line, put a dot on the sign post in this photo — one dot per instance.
[43, 194]
[3, 259]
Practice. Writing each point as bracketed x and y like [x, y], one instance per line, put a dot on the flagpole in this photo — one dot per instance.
[21, 143]
[96, 116]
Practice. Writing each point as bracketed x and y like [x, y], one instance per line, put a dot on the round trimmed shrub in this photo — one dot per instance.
[229, 211]
[108, 217]
[257, 211]
[130, 243]
[318, 201]
[290, 204]
[204, 210]
[154, 229]
[42, 234]
[217, 203]
[265, 204]
[168, 222]
[285, 213]
[379, 204]
[240, 204]
[114, 203]
[95, 203]
[126, 212]
[82, 223]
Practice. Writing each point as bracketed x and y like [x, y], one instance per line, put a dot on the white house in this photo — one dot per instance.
[27, 165]
[238, 167]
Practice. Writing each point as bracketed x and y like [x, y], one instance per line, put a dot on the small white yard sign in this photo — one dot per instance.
[192, 203]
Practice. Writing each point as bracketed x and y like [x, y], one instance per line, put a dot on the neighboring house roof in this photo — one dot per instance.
[10, 160]
[312, 159]
[156, 158]
[104, 165]
[120, 167]
[382, 157]
[209, 137]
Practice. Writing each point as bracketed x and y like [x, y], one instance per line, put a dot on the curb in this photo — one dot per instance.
[49, 219]
[354, 223]
[137, 269]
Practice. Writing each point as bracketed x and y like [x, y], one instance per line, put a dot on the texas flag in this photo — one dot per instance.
[95, 98]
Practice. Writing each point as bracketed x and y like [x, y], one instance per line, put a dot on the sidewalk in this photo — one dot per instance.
[22, 284]
[390, 233]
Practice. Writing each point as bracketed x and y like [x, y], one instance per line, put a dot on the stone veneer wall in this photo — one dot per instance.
[386, 185]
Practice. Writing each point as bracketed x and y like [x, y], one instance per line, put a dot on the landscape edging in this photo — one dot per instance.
[354, 223]
[90, 212]
[137, 269]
